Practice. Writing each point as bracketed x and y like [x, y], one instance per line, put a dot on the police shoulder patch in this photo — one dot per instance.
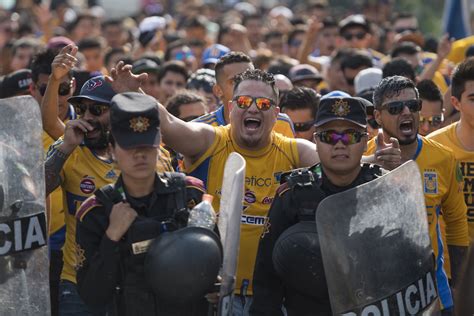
[86, 206]
[282, 189]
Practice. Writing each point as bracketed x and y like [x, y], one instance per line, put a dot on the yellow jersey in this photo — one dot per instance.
[447, 136]
[459, 48]
[82, 174]
[262, 178]
[442, 190]
[283, 124]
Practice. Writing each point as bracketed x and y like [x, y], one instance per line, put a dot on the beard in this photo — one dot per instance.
[102, 141]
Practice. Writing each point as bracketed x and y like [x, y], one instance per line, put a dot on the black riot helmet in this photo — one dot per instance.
[297, 260]
[182, 266]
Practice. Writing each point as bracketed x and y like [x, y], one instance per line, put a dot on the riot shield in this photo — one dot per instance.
[24, 264]
[376, 247]
[230, 213]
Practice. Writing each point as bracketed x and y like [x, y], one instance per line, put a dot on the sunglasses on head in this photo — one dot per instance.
[350, 36]
[245, 101]
[94, 109]
[63, 90]
[347, 137]
[435, 120]
[396, 107]
[303, 126]
[183, 55]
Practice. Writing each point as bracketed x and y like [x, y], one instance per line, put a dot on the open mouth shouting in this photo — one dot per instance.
[252, 123]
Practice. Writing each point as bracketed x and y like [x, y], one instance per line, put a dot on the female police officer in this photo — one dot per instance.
[341, 139]
[116, 225]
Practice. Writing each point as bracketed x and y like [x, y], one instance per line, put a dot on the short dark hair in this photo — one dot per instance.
[25, 42]
[230, 58]
[182, 97]
[402, 15]
[273, 34]
[173, 45]
[90, 43]
[115, 51]
[173, 66]
[112, 22]
[296, 31]
[281, 65]
[301, 98]
[257, 75]
[398, 67]
[329, 22]
[356, 59]
[249, 17]
[41, 64]
[407, 48]
[392, 86]
[195, 21]
[429, 91]
[463, 73]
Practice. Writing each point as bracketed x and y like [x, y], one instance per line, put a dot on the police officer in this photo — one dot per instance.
[116, 225]
[293, 275]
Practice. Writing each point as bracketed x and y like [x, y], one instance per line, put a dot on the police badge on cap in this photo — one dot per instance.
[342, 108]
[135, 120]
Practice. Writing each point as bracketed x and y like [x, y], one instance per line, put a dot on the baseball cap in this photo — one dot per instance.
[95, 89]
[281, 11]
[367, 79]
[351, 109]
[58, 42]
[212, 54]
[135, 120]
[145, 65]
[148, 28]
[16, 83]
[354, 20]
[303, 72]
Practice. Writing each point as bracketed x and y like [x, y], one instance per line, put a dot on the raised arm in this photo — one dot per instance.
[61, 66]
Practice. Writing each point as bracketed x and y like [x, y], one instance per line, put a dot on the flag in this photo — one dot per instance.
[456, 19]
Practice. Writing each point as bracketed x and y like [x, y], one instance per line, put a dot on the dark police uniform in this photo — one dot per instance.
[289, 269]
[111, 273]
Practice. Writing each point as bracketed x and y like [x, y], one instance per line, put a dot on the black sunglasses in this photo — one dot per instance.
[396, 107]
[435, 120]
[94, 109]
[63, 90]
[303, 126]
[406, 29]
[350, 36]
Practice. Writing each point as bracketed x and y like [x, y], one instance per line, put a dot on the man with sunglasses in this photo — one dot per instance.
[356, 33]
[459, 136]
[431, 113]
[397, 107]
[253, 114]
[42, 68]
[301, 105]
[295, 277]
[229, 66]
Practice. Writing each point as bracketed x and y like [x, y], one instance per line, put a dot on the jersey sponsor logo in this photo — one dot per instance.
[250, 197]
[467, 171]
[411, 300]
[267, 200]
[253, 220]
[24, 233]
[258, 182]
[87, 186]
[430, 180]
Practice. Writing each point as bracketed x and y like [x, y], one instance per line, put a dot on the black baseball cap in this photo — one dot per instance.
[135, 120]
[95, 89]
[145, 65]
[352, 109]
[16, 83]
[304, 72]
[354, 20]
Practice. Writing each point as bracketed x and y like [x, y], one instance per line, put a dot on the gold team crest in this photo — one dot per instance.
[139, 124]
[341, 108]
[430, 182]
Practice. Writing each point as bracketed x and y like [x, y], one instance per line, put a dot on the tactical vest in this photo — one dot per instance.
[133, 296]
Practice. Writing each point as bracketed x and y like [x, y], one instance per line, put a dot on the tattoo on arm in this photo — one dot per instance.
[52, 168]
